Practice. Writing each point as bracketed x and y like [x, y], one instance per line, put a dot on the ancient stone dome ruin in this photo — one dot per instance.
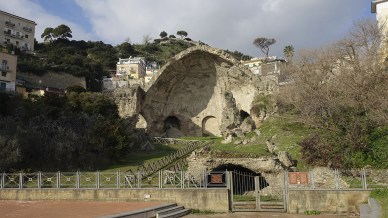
[201, 91]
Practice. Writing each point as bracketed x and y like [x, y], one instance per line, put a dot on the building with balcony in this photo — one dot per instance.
[17, 31]
[131, 68]
[8, 72]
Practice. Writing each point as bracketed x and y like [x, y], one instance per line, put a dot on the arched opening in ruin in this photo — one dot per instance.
[172, 122]
[243, 178]
[210, 126]
[244, 115]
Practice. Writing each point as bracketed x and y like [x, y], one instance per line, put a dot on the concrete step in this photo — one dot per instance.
[172, 212]
[146, 212]
[179, 213]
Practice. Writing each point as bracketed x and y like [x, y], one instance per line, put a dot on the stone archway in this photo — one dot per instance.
[210, 126]
[245, 175]
[193, 85]
[172, 122]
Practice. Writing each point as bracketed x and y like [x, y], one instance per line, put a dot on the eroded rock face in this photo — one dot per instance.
[201, 91]
[128, 100]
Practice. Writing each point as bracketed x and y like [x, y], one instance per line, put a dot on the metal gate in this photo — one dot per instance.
[250, 192]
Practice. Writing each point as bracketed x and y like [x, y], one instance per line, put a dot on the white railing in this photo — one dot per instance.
[102, 180]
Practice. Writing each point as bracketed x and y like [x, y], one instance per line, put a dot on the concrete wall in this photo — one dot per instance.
[331, 201]
[203, 199]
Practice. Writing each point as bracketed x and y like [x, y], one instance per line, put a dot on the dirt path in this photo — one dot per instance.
[64, 209]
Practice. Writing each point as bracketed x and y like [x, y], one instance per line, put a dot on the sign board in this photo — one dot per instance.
[216, 179]
[298, 178]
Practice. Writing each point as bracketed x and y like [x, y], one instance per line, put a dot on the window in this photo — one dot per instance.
[17, 42]
[26, 36]
[3, 86]
[3, 73]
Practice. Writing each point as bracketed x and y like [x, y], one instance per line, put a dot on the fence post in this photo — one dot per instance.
[182, 181]
[2, 180]
[205, 179]
[336, 178]
[20, 180]
[58, 179]
[160, 178]
[312, 179]
[97, 179]
[39, 179]
[138, 179]
[118, 179]
[77, 183]
[365, 180]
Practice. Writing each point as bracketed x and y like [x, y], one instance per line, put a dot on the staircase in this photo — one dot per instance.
[173, 211]
[174, 161]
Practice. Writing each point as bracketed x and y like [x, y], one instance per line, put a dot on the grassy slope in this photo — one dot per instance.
[137, 158]
[287, 133]
[284, 130]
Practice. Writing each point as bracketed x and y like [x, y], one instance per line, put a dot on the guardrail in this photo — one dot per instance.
[102, 180]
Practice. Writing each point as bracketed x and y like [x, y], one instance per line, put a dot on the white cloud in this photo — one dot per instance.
[226, 24]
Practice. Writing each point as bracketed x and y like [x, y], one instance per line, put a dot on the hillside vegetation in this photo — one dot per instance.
[93, 60]
[342, 90]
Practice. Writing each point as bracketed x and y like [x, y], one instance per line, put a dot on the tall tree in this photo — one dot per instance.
[47, 34]
[288, 52]
[62, 31]
[163, 34]
[263, 44]
[182, 33]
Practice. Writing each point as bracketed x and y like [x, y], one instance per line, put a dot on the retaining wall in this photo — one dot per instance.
[326, 201]
[202, 199]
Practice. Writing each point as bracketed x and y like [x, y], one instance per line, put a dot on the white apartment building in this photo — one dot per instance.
[17, 31]
[8, 72]
[131, 68]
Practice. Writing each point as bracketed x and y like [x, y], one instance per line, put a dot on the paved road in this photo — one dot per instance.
[67, 209]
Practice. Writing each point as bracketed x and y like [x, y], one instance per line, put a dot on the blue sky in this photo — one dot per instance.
[66, 9]
[226, 24]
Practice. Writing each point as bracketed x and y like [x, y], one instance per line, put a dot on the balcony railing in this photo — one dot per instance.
[27, 29]
[5, 68]
[9, 23]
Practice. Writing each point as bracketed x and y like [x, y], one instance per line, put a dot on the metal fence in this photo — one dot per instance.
[103, 180]
[324, 178]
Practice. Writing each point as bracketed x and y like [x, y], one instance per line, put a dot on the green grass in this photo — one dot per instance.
[288, 133]
[137, 158]
[251, 149]
[381, 195]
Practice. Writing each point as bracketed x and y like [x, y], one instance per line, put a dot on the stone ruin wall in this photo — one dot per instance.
[194, 87]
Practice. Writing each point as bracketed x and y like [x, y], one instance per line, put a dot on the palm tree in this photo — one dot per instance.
[288, 52]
